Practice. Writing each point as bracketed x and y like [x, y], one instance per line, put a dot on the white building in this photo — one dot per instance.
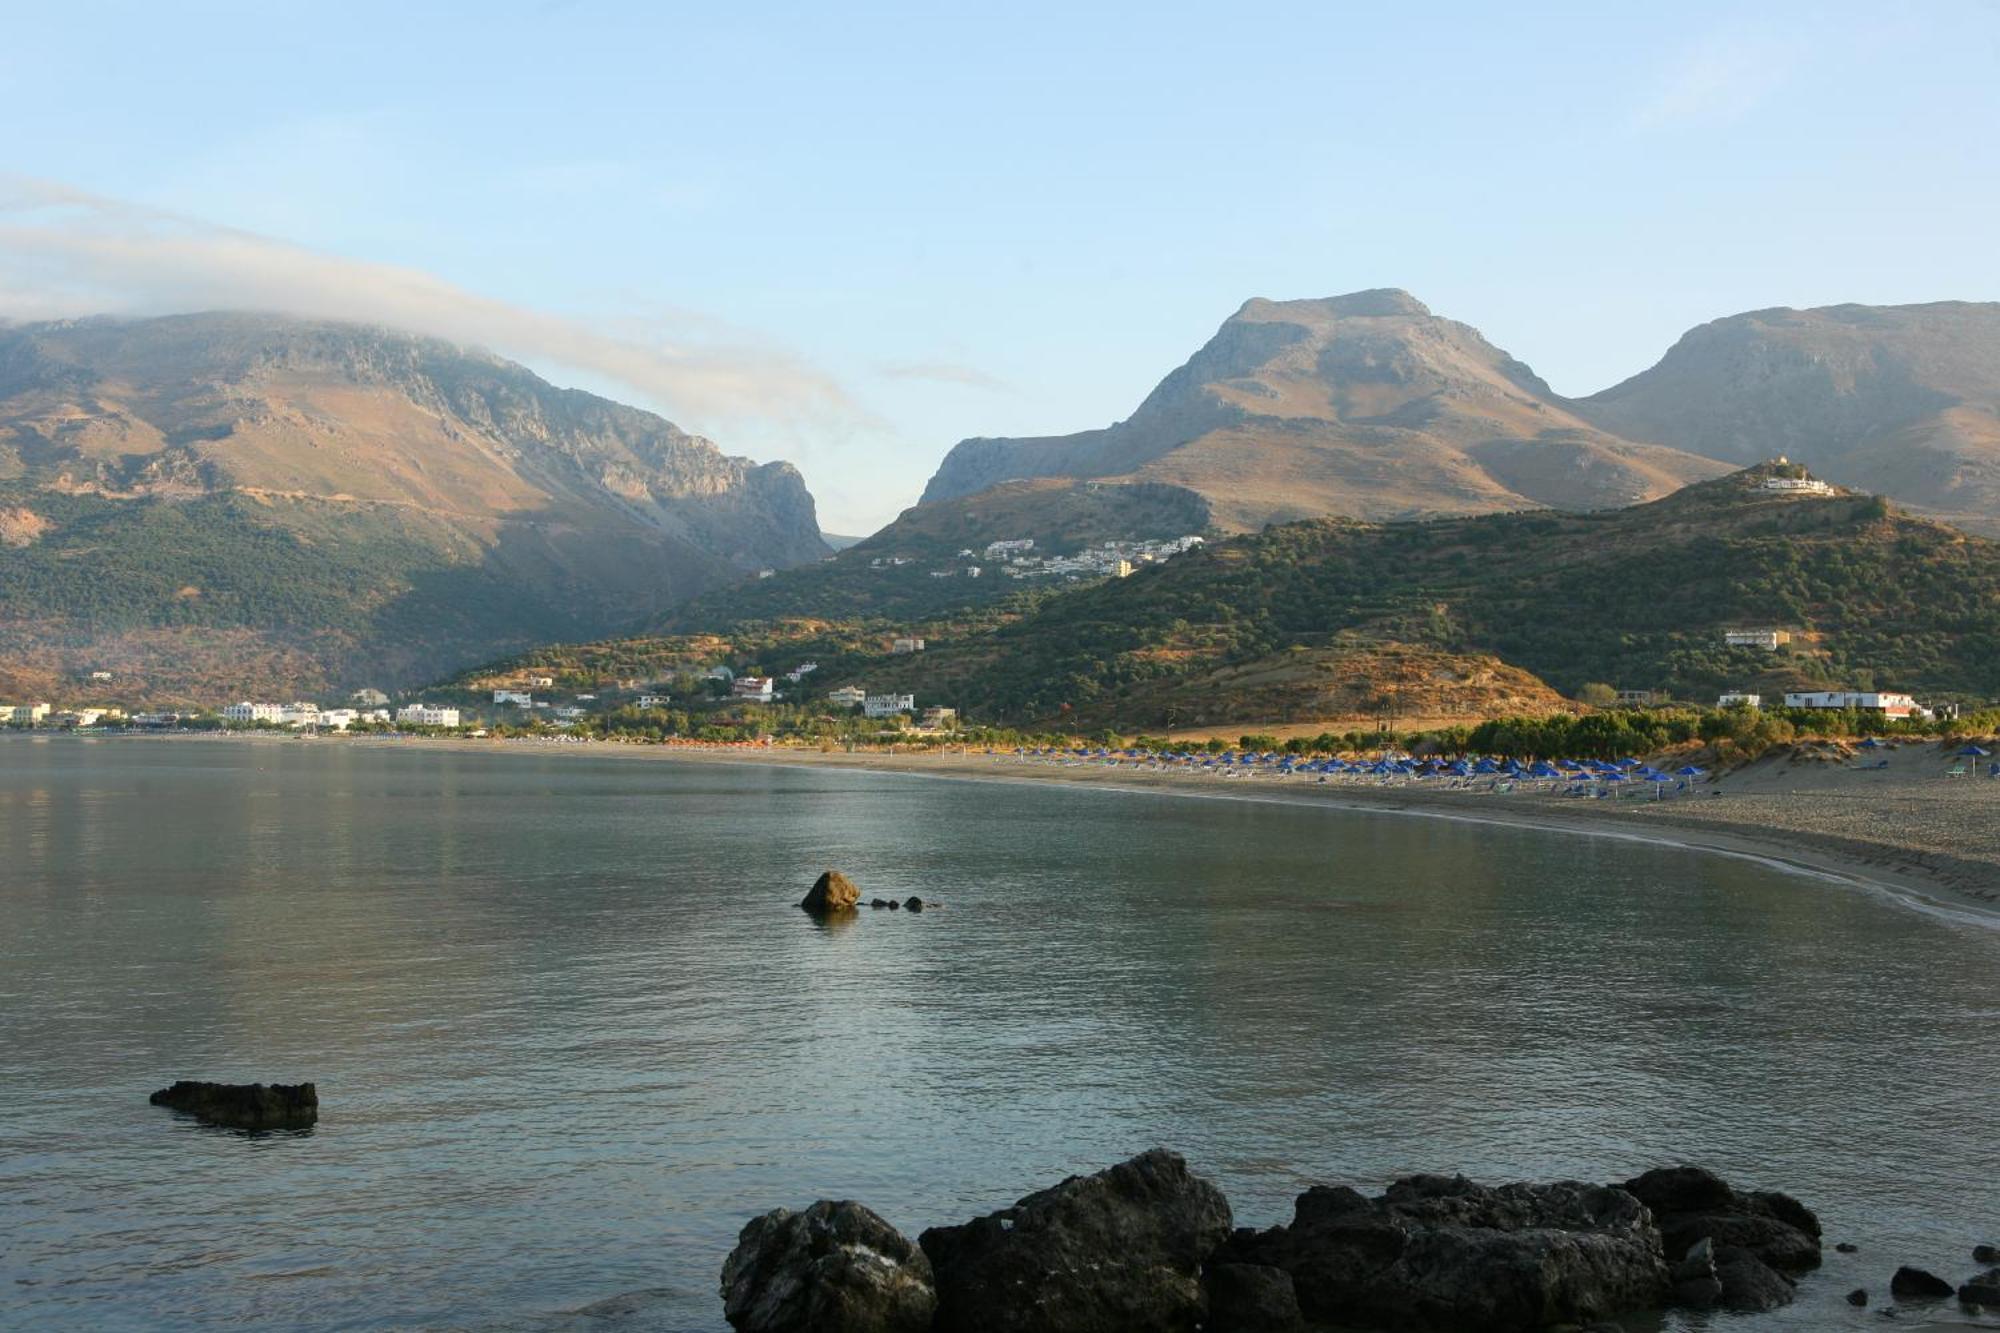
[1796, 485]
[753, 689]
[1770, 640]
[940, 719]
[653, 701]
[1861, 701]
[100, 675]
[905, 646]
[338, 719]
[1738, 699]
[424, 715]
[519, 698]
[541, 682]
[888, 705]
[1000, 550]
[847, 696]
[249, 712]
[369, 699]
[28, 715]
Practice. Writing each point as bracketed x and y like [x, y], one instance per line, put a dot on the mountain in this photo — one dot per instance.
[1636, 598]
[238, 501]
[1900, 400]
[914, 568]
[1365, 405]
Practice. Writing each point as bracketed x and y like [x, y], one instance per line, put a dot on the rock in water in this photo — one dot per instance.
[913, 903]
[1117, 1252]
[835, 1268]
[831, 892]
[1982, 1290]
[1439, 1252]
[1914, 1284]
[1748, 1283]
[244, 1105]
[1690, 1205]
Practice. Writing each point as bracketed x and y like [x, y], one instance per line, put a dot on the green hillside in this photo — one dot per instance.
[1637, 598]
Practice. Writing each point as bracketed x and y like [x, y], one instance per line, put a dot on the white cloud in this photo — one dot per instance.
[68, 252]
[945, 372]
[1724, 78]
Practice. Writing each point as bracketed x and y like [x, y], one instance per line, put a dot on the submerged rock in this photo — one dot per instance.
[1859, 1296]
[913, 903]
[1690, 1204]
[1439, 1252]
[244, 1105]
[832, 892]
[1117, 1252]
[1914, 1284]
[1986, 1254]
[834, 1268]
[1982, 1290]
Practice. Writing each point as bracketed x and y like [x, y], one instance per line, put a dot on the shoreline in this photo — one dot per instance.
[1934, 879]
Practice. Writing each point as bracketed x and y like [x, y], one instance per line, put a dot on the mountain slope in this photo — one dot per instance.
[1637, 598]
[427, 505]
[1364, 405]
[1900, 400]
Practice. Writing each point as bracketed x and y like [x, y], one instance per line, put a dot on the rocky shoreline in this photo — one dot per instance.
[1147, 1246]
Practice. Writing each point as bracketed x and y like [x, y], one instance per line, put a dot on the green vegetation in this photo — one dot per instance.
[1637, 597]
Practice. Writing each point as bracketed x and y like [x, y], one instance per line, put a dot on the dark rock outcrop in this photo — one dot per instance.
[1982, 1290]
[834, 1268]
[1695, 1283]
[1690, 1204]
[1859, 1296]
[1439, 1252]
[1116, 1252]
[1748, 1283]
[1914, 1284]
[831, 892]
[1986, 1254]
[914, 903]
[1251, 1298]
[244, 1105]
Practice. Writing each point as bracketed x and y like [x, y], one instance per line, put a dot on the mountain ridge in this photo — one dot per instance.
[470, 504]
[1365, 404]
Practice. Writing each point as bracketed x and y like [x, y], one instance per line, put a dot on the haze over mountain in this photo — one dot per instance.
[294, 503]
[1364, 405]
[1900, 400]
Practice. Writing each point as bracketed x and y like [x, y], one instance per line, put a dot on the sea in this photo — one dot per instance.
[570, 1030]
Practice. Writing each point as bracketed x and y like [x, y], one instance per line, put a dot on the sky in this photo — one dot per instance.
[851, 235]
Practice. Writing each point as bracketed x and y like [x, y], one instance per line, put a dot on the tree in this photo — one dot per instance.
[1597, 694]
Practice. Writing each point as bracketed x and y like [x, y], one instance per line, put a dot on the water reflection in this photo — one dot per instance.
[570, 1028]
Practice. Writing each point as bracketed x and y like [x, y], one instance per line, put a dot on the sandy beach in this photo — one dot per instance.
[1907, 828]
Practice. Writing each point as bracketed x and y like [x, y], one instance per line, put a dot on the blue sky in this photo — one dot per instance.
[851, 235]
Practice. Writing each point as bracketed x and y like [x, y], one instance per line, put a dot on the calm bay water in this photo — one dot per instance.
[570, 1033]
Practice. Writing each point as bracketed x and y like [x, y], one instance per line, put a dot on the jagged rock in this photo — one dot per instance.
[1251, 1298]
[1914, 1284]
[832, 892]
[1859, 1296]
[244, 1105]
[914, 903]
[1982, 1290]
[1748, 1283]
[1117, 1252]
[834, 1268]
[1438, 1252]
[1690, 1204]
[1695, 1284]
